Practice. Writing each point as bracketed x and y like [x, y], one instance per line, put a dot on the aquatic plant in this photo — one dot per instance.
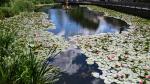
[123, 58]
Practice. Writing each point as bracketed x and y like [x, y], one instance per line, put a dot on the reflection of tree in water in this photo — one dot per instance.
[116, 23]
[78, 15]
[75, 69]
[89, 19]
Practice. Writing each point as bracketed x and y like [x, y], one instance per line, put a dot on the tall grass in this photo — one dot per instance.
[19, 64]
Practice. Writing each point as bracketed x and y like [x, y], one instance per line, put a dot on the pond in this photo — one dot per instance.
[81, 21]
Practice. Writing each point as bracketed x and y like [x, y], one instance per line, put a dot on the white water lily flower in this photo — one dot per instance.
[96, 74]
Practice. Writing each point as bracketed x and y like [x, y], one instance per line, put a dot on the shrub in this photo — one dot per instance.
[6, 12]
[42, 1]
[22, 6]
[4, 2]
[49, 1]
[1, 14]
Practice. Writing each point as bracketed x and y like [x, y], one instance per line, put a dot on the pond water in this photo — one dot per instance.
[74, 68]
[81, 21]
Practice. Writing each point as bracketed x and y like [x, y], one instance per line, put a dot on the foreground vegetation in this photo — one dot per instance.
[123, 58]
[9, 8]
[26, 49]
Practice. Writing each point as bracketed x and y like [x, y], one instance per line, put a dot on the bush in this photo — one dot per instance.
[9, 8]
[22, 6]
[6, 12]
[48, 1]
[42, 1]
[1, 14]
[16, 7]
[4, 2]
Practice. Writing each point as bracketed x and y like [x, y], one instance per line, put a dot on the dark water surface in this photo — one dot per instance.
[81, 21]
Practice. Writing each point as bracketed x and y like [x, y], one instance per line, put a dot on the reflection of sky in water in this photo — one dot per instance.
[75, 69]
[66, 26]
[105, 27]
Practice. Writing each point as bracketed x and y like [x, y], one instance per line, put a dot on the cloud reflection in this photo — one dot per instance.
[75, 69]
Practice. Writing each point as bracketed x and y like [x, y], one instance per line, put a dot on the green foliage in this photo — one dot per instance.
[1, 14]
[6, 12]
[10, 8]
[4, 2]
[6, 69]
[43, 1]
[18, 62]
[17, 67]
[22, 5]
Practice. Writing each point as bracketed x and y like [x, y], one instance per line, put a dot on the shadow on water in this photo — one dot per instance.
[81, 21]
[75, 69]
